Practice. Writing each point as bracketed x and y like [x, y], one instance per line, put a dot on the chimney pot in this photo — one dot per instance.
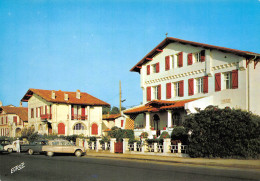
[66, 97]
[78, 94]
[53, 94]
[21, 104]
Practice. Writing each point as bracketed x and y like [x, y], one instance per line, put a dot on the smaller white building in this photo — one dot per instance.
[64, 113]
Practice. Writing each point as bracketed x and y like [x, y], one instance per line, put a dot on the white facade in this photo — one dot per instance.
[63, 119]
[245, 97]
[205, 75]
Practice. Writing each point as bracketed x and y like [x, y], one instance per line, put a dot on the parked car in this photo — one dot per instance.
[3, 143]
[63, 146]
[33, 147]
[11, 146]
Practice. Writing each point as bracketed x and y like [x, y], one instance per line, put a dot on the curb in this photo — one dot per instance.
[250, 167]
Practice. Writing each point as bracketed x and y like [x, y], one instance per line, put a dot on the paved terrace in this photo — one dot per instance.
[230, 163]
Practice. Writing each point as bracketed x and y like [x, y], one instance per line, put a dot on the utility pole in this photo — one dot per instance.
[120, 96]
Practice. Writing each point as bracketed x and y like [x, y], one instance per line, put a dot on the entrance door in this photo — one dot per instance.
[156, 120]
[61, 128]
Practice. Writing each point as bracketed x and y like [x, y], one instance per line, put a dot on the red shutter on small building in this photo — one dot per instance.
[15, 120]
[191, 86]
[205, 84]
[168, 90]
[31, 112]
[61, 128]
[180, 59]
[94, 129]
[181, 88]
[217, 82]
[6, 119]
[159, 92]
[202, 56]
[41, 108]
[148, 69]
[190, 59]
[148, 93]
[157, 67]
[234, 79]
[167, 63]
[45, 109]
[72, 112]
[122, 123]
[82, 110]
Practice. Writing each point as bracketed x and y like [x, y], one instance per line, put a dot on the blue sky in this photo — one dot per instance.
[90, 45]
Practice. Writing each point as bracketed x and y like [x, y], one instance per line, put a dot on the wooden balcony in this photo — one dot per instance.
[46, 116]
[79, 117]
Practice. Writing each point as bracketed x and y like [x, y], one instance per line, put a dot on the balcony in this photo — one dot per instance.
[79, 117]
[46, 116]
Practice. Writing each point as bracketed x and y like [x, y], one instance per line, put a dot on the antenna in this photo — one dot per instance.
[120, 96]
[166, 34]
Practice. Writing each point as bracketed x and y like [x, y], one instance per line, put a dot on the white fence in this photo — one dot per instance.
[143, 147]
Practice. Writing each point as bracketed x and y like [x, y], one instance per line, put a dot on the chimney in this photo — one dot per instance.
[1, 104]
[21, 104]
[78, 94]
[66, 97]
[52, 94]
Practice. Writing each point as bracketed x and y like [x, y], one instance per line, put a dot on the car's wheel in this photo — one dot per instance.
[10, 150]
[50, 153]
[30, 152]
[78, 153]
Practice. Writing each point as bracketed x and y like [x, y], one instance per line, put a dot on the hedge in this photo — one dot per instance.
[225, 133]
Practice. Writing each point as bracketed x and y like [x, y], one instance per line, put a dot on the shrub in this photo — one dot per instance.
[223, 133]
[119, 134]
[179, 134]
[144, 135]
[27, 132]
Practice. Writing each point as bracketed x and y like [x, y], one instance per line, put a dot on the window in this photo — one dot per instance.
[227, 80]
[154, 68]
[197, 57]
[32, 113]
[177, 119]
[199, 85]
[177, 89]
[79, 126]
[155, 92]
[180, 59]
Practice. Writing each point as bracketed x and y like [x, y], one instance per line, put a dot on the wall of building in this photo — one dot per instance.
[215, 62]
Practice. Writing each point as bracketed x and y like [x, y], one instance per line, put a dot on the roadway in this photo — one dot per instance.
[69, 167]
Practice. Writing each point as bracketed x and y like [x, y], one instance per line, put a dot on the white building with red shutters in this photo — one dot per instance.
[64, 113]
[178, 77]
[12, 120]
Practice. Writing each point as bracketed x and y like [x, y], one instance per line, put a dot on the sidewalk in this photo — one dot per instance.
[230, 163]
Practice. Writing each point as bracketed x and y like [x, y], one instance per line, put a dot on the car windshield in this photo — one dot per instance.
[61, 143]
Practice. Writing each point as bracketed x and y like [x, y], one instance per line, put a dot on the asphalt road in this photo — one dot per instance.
[69, 167]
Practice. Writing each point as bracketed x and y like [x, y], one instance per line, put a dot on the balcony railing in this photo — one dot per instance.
[79, 117]
[46, 116]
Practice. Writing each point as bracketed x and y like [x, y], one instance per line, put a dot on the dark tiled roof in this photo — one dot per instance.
[110, 116]
[85, 98]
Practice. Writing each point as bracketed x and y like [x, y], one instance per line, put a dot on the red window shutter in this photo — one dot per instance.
[41, 108]
[217, 82]
[15, 120]
[190, 59]
[6, 119]
[82, 110]
[234, 79]
[31, 112]
[181, 88]
[72, 112]
[50, 109]
[122, 123]
[191, 87]
[167, 63]
[168, 90]
[159, 92]
[61, 128]
[180, 59]
[205, 84]
[157, 67]
[148, 70]
[148, 93]
[94, 129]
[202, 56]
[45, 109]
